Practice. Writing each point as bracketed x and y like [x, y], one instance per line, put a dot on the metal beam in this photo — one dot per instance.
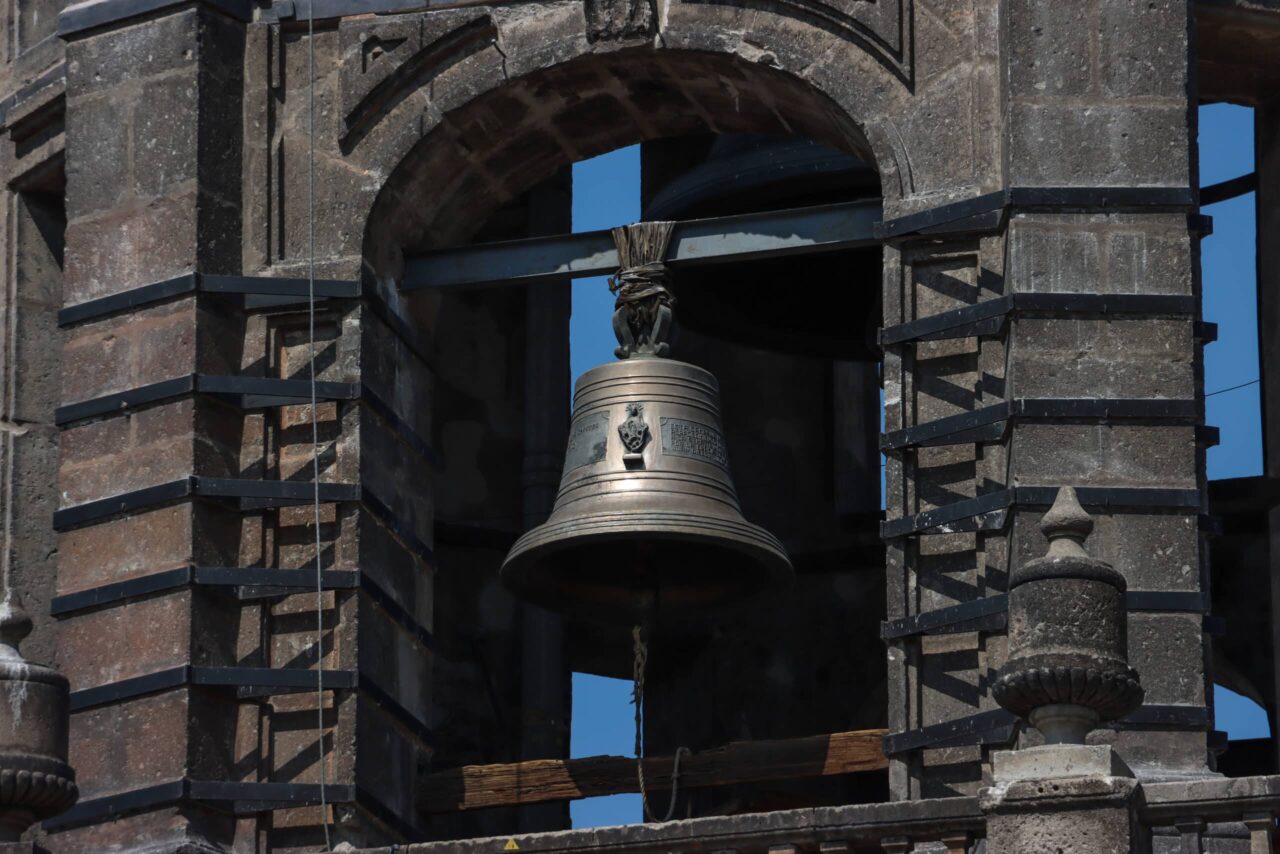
[826, 228]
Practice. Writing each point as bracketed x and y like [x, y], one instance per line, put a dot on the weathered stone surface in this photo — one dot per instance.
[187, 150]
[1071, 814]
[1053, 761]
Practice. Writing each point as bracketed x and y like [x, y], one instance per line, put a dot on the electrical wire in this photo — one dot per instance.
[315, 418]
[1232, 388]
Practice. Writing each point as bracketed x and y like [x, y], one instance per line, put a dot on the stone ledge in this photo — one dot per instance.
[863, 823]
[1058, 795]
[1210, 798]
[93, 14]
[1052, 761]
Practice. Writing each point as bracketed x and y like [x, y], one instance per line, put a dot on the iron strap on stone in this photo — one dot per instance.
[242, 798]
[250, 494]
[247, 583]
[247, 393]
[987, 212]
[252, 291]
[988, 317]
[998, 727]
[255, 493]
[991, 422]
[249, 683]
[991, 613]
[989, 512]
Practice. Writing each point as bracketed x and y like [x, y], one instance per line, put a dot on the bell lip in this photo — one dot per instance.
[761, 548]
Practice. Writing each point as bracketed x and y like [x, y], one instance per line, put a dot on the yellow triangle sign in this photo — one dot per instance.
[511, 846]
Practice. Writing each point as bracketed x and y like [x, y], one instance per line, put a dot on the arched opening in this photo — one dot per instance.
[719, 136]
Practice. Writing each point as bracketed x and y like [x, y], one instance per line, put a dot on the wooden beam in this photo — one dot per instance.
[481, 786]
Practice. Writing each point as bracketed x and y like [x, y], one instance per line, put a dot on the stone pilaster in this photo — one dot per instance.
[1081, 117]
[152, 153]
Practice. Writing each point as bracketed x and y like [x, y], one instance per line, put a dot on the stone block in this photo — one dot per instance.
[1153, 551]
[399, 572]
[102, 458]
[125, 248]
[1094, 358]
[111, 644]
[1145, 47]
[98, 163]
[388, 761]
[1117, 454]
[128, 547]
[1053, 761]
[1050, 50]
[393, 660]
[1061, 260]
[1079, 814]
[1167, 650]
[1146, 258]
[178, 828]
[153, 46]
[131, 744]
[1121, 145]
[166, 129]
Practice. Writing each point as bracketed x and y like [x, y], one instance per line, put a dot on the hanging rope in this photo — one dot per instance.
[637, 697]
[315, 419]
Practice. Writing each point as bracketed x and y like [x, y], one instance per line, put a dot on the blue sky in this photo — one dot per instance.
[607, 193]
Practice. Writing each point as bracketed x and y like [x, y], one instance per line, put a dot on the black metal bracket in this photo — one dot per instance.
[991, 613]
[245, 798]
[993, 727]
[249, 683]
[252, 494]
[987, 614]
[986, 212]
[998, 727]
[257, 681]
[989, 512]
[246, 392]
[988, 317]
[247, 583]
[991, 422]
[241, 579]
[1229, 189]
[253, 292]
[249, 495]
[238, 798]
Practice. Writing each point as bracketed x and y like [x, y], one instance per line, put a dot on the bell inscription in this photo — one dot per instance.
[696, 441]
[588, 441]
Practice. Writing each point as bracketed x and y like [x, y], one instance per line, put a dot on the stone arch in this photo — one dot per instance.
[491, 101]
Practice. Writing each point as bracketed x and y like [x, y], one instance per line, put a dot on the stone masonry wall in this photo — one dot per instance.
[187, 137]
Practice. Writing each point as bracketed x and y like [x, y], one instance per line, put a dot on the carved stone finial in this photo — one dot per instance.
[1068, 666]
[1066, 526]
[15, 625]
[642, 313]
[35, 780]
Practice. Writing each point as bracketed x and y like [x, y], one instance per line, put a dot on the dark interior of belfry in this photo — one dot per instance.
[800, 404]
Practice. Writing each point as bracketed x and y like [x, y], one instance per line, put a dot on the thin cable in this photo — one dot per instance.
[315, 419]
[1232, 388]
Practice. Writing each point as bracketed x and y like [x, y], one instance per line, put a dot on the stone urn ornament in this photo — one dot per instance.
[35, 780]
[1068, 669]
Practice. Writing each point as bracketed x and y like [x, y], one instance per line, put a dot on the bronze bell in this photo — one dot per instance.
[646, 527]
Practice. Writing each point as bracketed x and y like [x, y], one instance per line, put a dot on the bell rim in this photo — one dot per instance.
[751, 541]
